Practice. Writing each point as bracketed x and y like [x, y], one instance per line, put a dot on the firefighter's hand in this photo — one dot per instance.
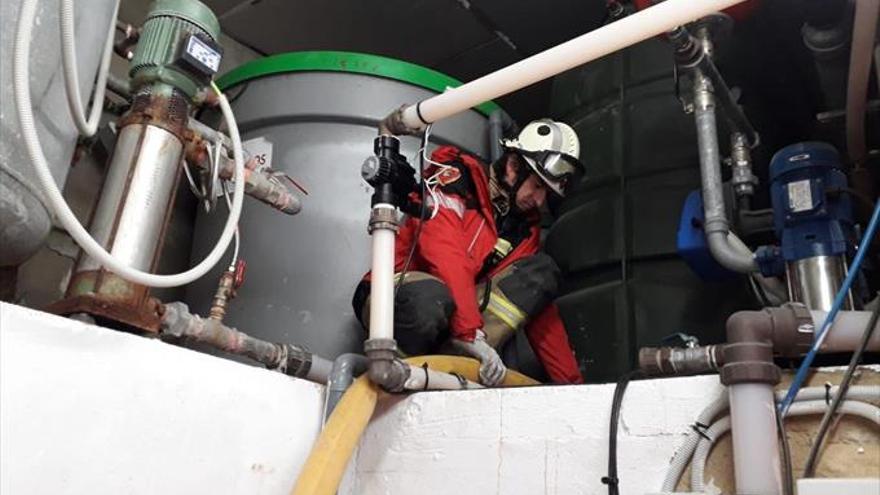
[492, 369]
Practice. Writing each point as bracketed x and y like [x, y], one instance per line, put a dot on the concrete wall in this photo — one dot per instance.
[553, 440]
[85, 410]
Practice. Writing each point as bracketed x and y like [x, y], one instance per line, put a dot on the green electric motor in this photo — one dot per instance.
[178, 46]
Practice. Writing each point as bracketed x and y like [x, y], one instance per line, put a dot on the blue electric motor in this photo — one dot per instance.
[812, 213]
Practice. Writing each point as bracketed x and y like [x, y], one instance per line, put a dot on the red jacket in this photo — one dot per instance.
[453, 247]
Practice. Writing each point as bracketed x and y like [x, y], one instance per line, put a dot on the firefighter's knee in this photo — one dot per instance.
[530, 283]
[422, 310]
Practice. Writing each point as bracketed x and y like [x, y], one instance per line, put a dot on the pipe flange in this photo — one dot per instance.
[749, 362]
[296, 360]
[793, 337]
[394, 125]
[383, 218]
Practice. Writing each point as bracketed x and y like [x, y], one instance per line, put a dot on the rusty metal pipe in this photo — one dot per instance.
[178, 323]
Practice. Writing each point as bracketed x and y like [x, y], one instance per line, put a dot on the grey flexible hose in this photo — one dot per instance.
[86, 127]
[804, 408]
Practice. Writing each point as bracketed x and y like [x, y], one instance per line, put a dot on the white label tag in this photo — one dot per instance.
[800, 196]
[260, 149]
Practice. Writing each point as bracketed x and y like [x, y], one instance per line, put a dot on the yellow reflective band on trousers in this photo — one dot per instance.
[326, 464]
[505, 310]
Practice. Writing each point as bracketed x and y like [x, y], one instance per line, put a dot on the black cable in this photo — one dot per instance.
[787, 470]
[813, 458]
[611, 479]
[422, 211]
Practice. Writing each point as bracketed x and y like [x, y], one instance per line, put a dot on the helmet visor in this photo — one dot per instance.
[559, 170]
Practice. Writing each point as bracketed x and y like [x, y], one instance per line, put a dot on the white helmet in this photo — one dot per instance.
[551, 149]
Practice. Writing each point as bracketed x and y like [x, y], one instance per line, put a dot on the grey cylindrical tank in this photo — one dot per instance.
[319, 110]
[24, 218]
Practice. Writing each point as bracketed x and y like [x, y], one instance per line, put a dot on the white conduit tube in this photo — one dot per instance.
[864, 31]
[585, 48]
[22, 91]
[86, 127]
[864, 410]
[382, 281]
[682, 456]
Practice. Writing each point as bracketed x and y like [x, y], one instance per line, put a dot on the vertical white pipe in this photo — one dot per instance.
[585, 48]
[382, 282]
[755, 446]
[846, 332]
[864, 31]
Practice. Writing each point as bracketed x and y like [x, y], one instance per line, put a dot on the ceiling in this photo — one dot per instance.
[462, 38]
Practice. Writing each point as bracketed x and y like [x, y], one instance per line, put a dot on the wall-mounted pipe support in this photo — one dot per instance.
[178, 323]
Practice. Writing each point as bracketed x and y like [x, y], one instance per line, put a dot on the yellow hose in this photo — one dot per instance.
[326, 464]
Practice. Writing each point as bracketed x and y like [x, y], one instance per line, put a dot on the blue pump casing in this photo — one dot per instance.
[691, 242]
[812, 214]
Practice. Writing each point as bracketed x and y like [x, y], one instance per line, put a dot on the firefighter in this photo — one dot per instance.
[476, 273]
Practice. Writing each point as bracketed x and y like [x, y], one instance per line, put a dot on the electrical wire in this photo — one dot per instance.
[86, 126]
[852, 272]
[787, 470]
[616, 403]
[237, 239]
[422, 211]
[824, 426]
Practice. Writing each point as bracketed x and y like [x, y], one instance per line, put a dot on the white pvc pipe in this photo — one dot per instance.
[382, 281]
[846, 332]
[86, 127]
[23, 103]
[682, 456]
[428, 379]
[588, 47]
[864, 31]
[755, 446]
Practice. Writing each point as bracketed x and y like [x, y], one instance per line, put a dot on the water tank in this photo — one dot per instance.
[615, 236]
[319, 111]
[24, 218]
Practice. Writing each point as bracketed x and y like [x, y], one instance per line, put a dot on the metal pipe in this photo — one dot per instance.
[716, 226]
[119, 85]
[743, 180]
[178, 323]
[695, 55]
[593, 45]
[499, 124]
[345, 368]
[679, 361]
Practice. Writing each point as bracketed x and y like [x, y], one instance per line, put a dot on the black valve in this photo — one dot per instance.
[390, 174]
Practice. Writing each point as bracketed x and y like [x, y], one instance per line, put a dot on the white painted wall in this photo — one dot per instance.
[86, 410]
[547, 440]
